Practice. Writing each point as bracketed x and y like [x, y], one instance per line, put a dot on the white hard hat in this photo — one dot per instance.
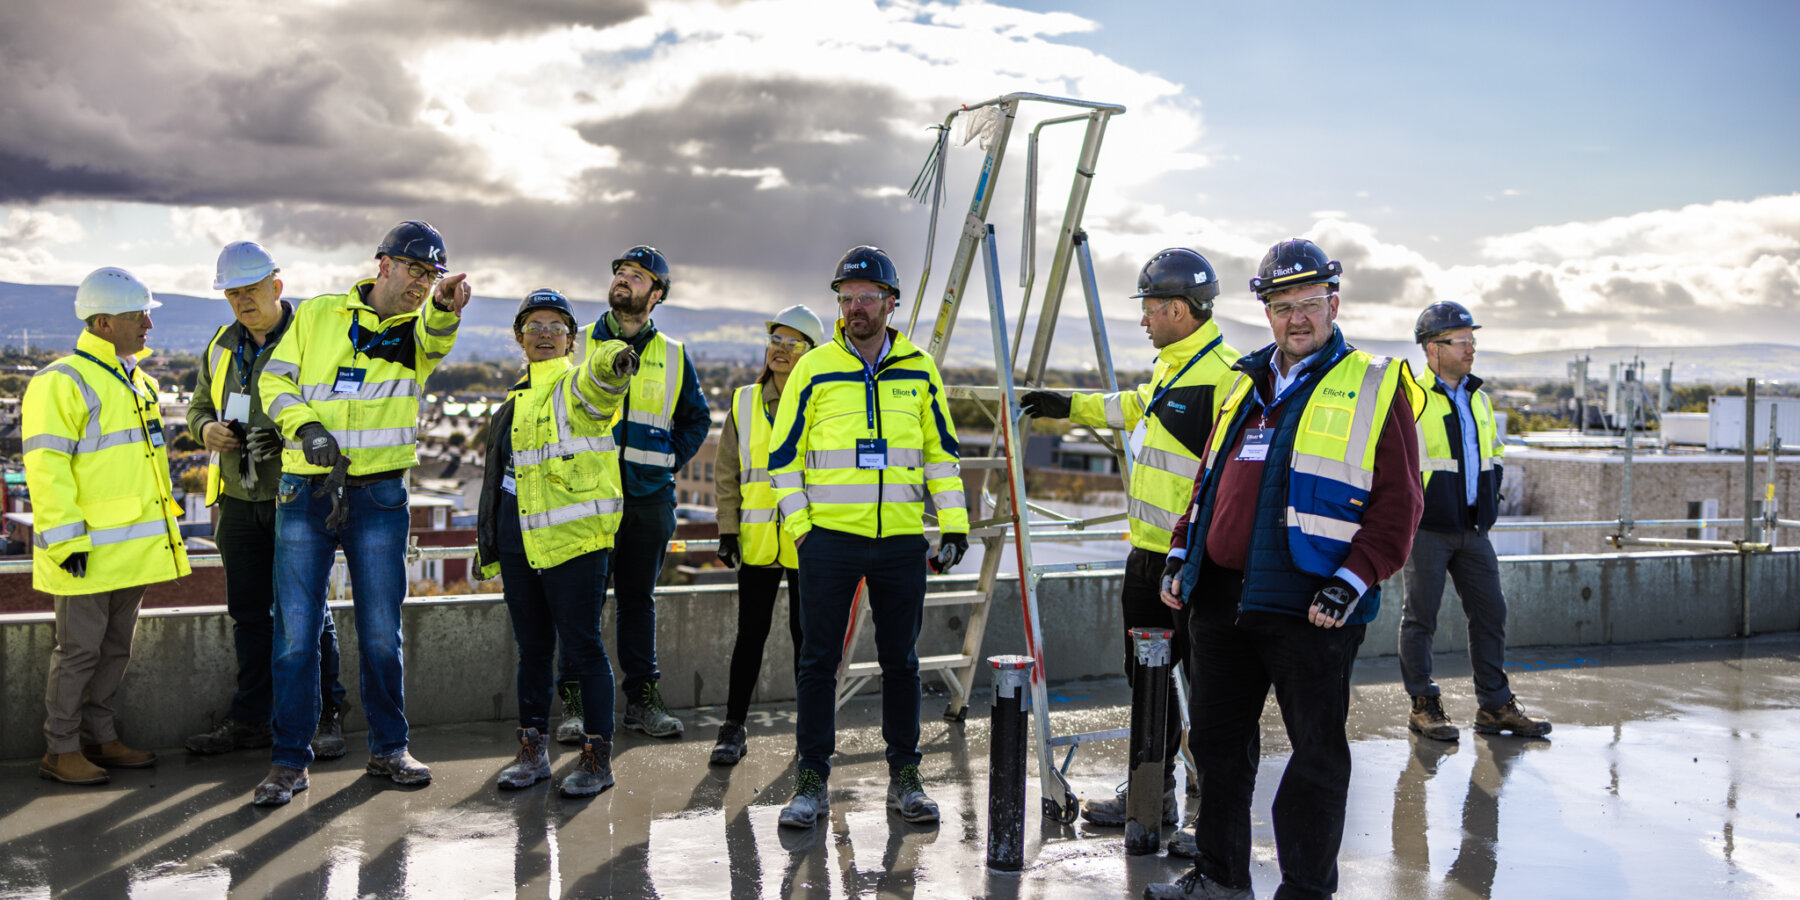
[800, 319]
[110, 291]
[242, 263]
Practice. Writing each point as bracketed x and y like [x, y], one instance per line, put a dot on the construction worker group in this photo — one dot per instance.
[1325, 469]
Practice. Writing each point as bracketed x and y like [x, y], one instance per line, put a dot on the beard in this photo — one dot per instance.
[625, 303]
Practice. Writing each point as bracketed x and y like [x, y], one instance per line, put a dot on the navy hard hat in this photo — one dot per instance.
[1440, 317]
[544, 298]
[416, 241]
[1292, 263]
[650, 260]
[866, 263]
[1179, 272]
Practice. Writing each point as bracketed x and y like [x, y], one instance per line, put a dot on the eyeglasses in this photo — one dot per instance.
[1152, 309]
[851, 300]
[137, 315]
[1459, 343]
[1308, 307]
[415, 271]
[791, 345]
[554, 329]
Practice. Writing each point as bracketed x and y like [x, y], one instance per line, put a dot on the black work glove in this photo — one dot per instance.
[1045, 405]
[1337, 599]
[626, 363]
[76, 564]
[265, 444]
[1171, 577]
[334, 487]
[951, 547]
[320, 448]
[729, 554]
[246, 462]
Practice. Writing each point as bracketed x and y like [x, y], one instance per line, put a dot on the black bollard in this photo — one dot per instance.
[1149, 741]
[1006, 762]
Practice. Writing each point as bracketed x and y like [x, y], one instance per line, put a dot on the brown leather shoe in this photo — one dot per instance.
[1428, 719]
[71, 768]
[115, 755]
[1510, 718]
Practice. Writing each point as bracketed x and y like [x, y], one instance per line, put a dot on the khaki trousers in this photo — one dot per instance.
[93, 645]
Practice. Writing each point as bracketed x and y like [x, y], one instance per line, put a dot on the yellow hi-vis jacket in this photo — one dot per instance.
[565, 465]
[760, 535]
[99, 475]
[1177, 408]
[833, 411]
[1440, 447]
[376, 423]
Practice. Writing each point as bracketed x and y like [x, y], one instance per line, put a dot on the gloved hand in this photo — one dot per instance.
[1336, 600]
[265, 444]
[1045, 405]
[76, 564]
[320, 448]
[1171, 577]
[626, 363]
[334, 487]
[729, 554]
[951, 547]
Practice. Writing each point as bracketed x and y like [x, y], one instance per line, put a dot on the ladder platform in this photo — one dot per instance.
[954, 598]
[926, 664]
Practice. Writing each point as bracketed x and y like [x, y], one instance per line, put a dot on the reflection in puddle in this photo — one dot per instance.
[168, 881]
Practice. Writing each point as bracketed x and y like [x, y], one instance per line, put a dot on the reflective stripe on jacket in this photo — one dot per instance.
[665, 417]
[833, 407]
[377, 424]
[1440, 446]
[1164, 469]
[219, 378]
[98, 483]
[760, 535]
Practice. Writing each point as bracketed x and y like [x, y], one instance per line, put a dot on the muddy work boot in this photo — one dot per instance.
[328, 741]
[115, 755]
[399, 768]
[532, 765]
[229, 735]
[573, 729]
[1510, 718]
[71, 768]
[1111, 813]
[1195, 886]
[646, 713]
[593, 771]
[279, 786]
[1428, 719]
[811, 800]
[731, 746]
[906, 796]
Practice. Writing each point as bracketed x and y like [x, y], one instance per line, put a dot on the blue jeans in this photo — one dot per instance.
[374, 543]
[560, 602]
[246, 539]
[893, 570]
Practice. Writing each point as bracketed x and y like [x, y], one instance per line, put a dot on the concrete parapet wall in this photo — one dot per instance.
[461, 657]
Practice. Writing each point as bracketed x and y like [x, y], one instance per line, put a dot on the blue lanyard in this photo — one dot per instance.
[356, 335]
[1164, 390]
[115, 373]
[243, 367]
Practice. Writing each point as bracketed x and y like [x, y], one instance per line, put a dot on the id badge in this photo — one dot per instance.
[237, 407]
[1135, 440]
[154, 429]
[349, 380]
[507, 483]
[1256, 444]
[871, 453]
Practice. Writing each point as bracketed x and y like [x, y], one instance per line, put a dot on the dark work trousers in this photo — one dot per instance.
[1237, 658]
[246, 540]
[1142, 608]
[757, 589]
[637, 559]
[1468, 558]
[562, 603]
[893, 570]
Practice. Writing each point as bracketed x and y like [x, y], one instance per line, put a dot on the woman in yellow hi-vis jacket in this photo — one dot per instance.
[550, 505]
[751, 539]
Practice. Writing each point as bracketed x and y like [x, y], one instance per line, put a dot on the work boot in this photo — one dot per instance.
[1183, 845]
[532, 765]
[400, 767]
[71, 768]
[1195, 886]
[115, 755]
[1510, 718]
[1112, 813]
[229, 735]
[573, 729]
[279, 786]
[811, 800]
[593, 771]
[731, 746]
[906, 796]
[1428, 719]
[646, 713]
[328, 741]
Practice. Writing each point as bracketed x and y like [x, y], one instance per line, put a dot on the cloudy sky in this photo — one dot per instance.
[1587, 173]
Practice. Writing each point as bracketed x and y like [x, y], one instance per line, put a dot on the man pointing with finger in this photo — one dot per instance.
[343, 387]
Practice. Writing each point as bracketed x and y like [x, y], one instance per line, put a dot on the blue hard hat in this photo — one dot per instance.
[650, 260]
[416, 241]
[867, 263]
[1292, 263]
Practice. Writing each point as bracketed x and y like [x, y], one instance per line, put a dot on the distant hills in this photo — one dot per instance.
[185, 323]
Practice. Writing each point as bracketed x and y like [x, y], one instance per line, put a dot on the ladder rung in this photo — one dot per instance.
[1065, 740]
[983, 462]
[954, 598]
[926, 664]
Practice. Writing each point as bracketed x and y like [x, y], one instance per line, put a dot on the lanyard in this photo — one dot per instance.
[245, 367]
[356, 335]
[114, 372]
[1164, 390]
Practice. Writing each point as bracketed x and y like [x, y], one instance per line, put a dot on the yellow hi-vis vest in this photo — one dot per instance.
[832, 411]
[565, 464]
[375, 424]
[218, 360]
[1184, 389]
[1437, 454]
[650, 412]
[760, 535]
[98, 474]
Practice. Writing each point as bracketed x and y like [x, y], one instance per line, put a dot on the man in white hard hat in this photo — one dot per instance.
[104, 519]
[228, 415]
